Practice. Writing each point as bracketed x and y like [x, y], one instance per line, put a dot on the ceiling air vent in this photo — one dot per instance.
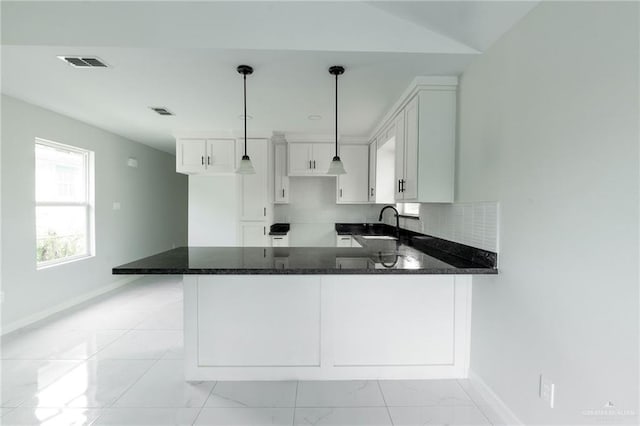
[83, 61]
[161, 110]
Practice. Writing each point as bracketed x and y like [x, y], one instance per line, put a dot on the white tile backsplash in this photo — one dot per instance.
[473, 224]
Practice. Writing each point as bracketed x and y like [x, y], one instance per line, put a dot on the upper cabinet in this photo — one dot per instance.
[205, 156]
[308, 159]
[373, 151]
[352, 186]
[281, 179]
[421, 134]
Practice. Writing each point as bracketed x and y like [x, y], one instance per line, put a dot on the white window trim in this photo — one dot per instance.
[89, 204]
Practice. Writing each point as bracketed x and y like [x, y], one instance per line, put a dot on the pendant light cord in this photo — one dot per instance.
[336, 115]
[245, 114]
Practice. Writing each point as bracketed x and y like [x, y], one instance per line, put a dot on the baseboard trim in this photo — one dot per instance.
[502, 414]
[16, 325]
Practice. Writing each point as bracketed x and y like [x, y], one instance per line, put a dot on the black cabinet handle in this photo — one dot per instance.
[208, 159]
[277, 238]
[203, 160]
[372, 192]
[399, 186]
[402, 181]
[264, 230]
[314, 164]
[310, 164]
[265, 212]
[340, 192]
[282, 192]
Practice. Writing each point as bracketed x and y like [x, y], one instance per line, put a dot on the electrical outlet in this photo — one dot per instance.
[547, 390]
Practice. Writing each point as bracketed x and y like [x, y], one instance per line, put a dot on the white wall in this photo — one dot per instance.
[312, 211]
[548, 125]
[153, 215]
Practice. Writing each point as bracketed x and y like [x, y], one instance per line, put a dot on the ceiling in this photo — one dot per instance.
[183, 55]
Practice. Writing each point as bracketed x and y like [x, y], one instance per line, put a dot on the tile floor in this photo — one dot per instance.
[118, 361]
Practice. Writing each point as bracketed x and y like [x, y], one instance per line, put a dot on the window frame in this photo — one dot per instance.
[88, 204]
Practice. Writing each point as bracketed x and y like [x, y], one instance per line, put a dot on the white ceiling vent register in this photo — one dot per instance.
[84, 61]
[161, 110]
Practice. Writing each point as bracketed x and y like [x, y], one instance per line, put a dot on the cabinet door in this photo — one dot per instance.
[299, 159]
[353, 186]
[281, 184]
[190, 155]
[253, 234]
[279, 241]
[221, 156]
[322, 155]
[400, 147]
[410, 189]
[343, 240]
[253, 200]
[373, 151]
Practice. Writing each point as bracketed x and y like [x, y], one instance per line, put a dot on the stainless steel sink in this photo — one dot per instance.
[378, 237]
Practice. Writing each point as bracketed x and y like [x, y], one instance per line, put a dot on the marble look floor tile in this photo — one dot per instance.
[5, 411]
[22, 379]
[164, 386]
[342, 416]
[346, 393]
[408, 393]
[147, 416]
[169, 317]
[94, 318]
[50, 417]
[484, 407]
[253, 394]
[245, 416]
[410, 416]
[95, 383]
[143, 344]
[45, 343]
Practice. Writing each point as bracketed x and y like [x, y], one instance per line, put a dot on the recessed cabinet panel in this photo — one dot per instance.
[272, 322]
[373, 151]
[410, 184]
[253, 203]
[322, 155]
[190, 155]
[254, 234]
[352, 187]
[281, 180]
[395, 322]
[221, 155]
[309, 159]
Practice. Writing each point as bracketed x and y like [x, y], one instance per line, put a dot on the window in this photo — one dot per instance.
[409, 209]
[64, 203]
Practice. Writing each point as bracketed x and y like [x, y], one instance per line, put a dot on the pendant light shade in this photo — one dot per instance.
[336, 167]
[246, 168]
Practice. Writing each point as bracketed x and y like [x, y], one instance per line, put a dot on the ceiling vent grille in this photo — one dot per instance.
[161, 110]
[83, 61]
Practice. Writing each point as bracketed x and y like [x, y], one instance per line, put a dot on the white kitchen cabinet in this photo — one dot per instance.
[279, 241]
[254, 188]
[254, 234]
[308, 159]
[353, 263]
[373, 151]
[352, 187]
[205, 156]
[346, 241]
[425, 147]
[281, 179]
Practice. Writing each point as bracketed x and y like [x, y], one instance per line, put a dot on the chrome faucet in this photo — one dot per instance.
[397, 218]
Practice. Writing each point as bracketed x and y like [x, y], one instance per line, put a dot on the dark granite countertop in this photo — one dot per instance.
[411, 254]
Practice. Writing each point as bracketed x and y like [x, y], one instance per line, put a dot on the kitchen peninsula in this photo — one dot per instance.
[393, 308]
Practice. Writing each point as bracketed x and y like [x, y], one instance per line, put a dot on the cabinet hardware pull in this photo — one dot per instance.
[282, 192]
[310, 164]
[340, 192]
[264, 230]
[277, 238]
[399, 185]
[402, 181]
[372, 192]
[203, 160]
[208, 159]
[264, 211]
[314, 164]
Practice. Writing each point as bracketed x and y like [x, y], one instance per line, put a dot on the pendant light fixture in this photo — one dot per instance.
[336, 167]
[246, 168]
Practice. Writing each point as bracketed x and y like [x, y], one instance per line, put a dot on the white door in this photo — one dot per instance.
[410, 188]
[353, 186]
[221, 155]
[253, 234]
[300, 159]
[323, 153]
[281, 184]
[253, 200]
[373, 151]
[190, 155]
[400, 147]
